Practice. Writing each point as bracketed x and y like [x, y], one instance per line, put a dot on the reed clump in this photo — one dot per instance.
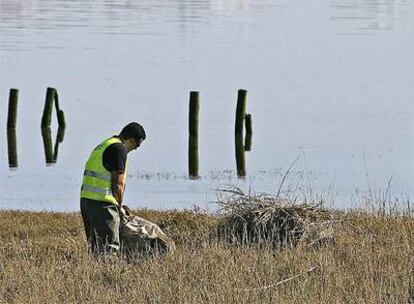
[278, 222]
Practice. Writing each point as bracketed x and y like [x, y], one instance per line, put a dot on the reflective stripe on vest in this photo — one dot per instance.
[96, 183]
[103, 176]
[96, 190]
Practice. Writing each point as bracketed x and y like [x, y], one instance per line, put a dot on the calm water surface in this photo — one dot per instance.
[330, 82]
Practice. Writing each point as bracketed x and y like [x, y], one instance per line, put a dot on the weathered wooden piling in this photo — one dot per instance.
[47, 111]
[249, 133]
[12, 114]
[59, 112]
[48, 145]
[51, 153]
[56, 98]
[193, 160]
[240, 111]
[11, 128]
[12, 147]
[239, 126]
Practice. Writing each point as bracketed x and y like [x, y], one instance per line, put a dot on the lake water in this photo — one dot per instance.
[330, 83]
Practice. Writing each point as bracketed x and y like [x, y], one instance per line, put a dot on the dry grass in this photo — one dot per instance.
[43, 259]
[276, 222]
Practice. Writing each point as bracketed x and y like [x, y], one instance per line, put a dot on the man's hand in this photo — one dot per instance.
[118, 185]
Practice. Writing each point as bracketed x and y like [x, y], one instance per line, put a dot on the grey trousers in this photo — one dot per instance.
[101, 221]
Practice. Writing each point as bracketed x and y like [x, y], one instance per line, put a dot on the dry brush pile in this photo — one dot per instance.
[270, 220]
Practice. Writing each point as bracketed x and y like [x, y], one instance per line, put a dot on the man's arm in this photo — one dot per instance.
[118, 185]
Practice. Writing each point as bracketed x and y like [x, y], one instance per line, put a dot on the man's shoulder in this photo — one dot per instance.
[116, 149]
[114, 157]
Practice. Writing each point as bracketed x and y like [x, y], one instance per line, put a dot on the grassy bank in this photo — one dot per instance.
[43, 259]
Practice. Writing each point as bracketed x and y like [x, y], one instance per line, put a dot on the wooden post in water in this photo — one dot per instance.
[51, 153]
[56, 98]
[194, 110]
[11, 128]
[249, 133]
[12, 147]
[12, 114]
[47, 111]
[239, 126]
[48, 145]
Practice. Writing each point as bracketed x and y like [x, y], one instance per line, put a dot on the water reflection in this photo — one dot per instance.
[249, 133]
[59, 139]
[240, 157]
[155, 17]
[109, 17]
[51, 153]
[12, 148]
[366, 16]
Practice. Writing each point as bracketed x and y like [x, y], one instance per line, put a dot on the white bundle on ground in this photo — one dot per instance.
[142, 237]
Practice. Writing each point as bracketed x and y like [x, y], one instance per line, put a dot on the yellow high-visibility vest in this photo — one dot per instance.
[96, 183]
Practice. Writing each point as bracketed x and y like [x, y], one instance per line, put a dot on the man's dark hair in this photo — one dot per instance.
[133, 130]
